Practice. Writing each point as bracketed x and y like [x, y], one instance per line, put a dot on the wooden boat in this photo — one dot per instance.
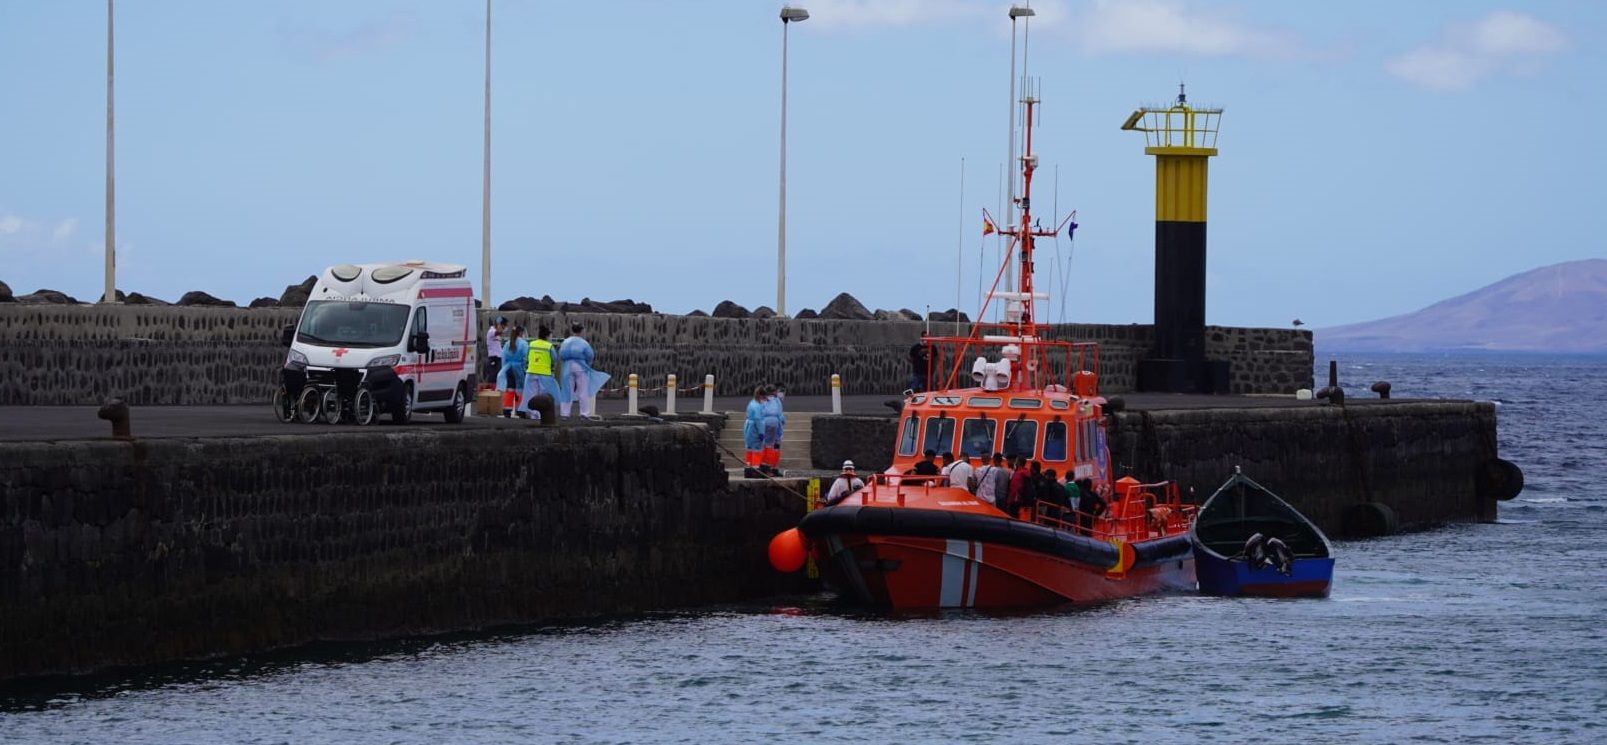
[1228, 561]
[907, 541]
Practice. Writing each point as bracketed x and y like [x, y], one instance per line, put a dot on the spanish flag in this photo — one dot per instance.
[987, 226]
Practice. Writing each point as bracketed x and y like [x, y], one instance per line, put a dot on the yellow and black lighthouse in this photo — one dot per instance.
[1183, 139]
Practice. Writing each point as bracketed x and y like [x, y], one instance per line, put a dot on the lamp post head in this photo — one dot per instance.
[1021, 11]
[790, 14]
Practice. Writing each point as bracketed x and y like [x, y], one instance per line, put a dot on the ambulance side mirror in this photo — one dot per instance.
[420, 343]
[287, 335]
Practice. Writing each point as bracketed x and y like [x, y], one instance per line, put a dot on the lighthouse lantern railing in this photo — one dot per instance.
[1176, 126]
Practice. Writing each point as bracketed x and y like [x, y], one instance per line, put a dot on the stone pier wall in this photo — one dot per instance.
[1419, 458]
[115, 553]
[53, 355]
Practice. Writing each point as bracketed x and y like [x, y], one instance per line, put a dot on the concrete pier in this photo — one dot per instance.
[168, 548]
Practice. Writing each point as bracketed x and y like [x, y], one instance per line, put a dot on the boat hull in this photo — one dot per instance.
[912, 572]
[1307, 578]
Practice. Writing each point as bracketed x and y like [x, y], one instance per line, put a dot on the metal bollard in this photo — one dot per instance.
[631, 386]
[669, 395]
[708, 394]
[116, 412]
[836, 393]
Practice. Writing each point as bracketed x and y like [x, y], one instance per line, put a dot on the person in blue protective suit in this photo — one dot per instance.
[753, 435]
[580, 380]
[514, 357]
[774, 420]
[542, 370]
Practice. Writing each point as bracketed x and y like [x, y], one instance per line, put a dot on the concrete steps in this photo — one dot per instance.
[794, 442]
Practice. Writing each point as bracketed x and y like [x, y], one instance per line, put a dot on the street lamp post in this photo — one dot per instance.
[111, 191]
[789, 15]
[485, 178]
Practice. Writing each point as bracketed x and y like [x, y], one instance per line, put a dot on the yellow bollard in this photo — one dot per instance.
[669, 395]
[630, 395]
[836, 393]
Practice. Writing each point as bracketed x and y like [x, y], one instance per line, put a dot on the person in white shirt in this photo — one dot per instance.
[959, 471]
[846, 483]
[987, 481]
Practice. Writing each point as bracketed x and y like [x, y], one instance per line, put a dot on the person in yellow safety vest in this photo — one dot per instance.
[542, 369]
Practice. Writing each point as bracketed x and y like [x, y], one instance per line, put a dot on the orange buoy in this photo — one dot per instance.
[787, 552]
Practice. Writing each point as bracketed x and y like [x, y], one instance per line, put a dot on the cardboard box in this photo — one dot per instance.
[488, 403]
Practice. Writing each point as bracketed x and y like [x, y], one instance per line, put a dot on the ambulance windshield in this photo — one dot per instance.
[333, 323]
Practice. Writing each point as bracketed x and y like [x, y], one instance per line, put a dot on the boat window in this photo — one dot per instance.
[976, 438]
[939, 434]
[1020, 435]
[1054, 441]
[1058, 404]
[918, 399]
[906, 441]
[946, 400]
[986, 402]
[1025, 403]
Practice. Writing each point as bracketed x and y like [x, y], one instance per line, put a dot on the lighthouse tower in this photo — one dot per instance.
[1183, 139]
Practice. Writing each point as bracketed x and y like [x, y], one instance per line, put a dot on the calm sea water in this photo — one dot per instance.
[1468, 633]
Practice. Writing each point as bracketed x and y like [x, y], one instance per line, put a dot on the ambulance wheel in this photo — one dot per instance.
[403, 413]
[309, 405]
[454, 414]
[363, 407]
[329, 407]
[283, 407]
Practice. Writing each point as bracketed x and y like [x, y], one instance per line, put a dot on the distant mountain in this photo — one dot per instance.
[1557, 308]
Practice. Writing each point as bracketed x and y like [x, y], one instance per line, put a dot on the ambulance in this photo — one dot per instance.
[391, 338]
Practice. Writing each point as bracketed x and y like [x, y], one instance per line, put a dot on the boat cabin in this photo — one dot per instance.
[1054, 427]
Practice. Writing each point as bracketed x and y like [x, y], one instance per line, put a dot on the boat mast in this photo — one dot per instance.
[1026, 235]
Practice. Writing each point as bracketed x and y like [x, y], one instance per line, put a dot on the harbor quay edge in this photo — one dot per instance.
[118, 553]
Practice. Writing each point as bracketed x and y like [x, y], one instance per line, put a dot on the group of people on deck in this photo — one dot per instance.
[524, 369]
[1013, 484]
[761, 432]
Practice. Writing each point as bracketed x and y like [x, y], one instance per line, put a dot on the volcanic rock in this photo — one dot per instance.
[122, 297]
[526, 303]
[5, 294]
[909, 315]
[264, 302]
[948, 316]
[47, 297]
[763, 311]
[807, 313]
[728, 309]
[135, 298]
[588, 305]
[697, 314]
[845, 308]
[199, 298]
[296, 296]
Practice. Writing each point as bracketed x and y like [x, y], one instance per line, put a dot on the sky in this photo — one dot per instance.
[1375, 157]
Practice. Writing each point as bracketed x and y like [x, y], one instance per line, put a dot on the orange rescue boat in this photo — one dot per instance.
[907, 541]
